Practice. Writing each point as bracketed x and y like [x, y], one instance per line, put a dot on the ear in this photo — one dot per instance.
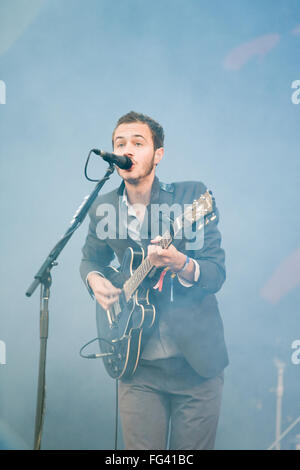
[159, 153]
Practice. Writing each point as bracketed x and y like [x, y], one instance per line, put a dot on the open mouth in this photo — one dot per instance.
[132, 166]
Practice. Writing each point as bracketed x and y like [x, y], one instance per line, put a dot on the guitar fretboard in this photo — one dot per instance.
[143, 270]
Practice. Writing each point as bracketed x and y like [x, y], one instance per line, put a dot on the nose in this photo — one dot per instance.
[128, 150]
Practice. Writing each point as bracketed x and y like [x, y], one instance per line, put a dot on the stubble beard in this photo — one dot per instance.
[147, 171]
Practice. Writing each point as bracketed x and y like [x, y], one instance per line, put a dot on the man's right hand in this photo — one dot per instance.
[105, 293]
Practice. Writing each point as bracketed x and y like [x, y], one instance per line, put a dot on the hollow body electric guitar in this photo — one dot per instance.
[121, 328]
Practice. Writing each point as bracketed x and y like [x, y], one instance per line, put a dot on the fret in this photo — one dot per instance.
[142, 271]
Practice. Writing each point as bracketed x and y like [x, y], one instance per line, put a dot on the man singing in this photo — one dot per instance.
[175, 393]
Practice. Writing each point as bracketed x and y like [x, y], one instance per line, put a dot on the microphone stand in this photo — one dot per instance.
[43, 278]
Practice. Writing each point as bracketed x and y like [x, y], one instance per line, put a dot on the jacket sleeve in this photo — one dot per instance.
[211, 256]
[96, 253]
[211, 259]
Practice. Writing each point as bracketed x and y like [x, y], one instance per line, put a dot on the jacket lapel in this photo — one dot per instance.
[160, 194]
[153, 223]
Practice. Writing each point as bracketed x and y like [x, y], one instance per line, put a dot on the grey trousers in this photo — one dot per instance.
[166, 404]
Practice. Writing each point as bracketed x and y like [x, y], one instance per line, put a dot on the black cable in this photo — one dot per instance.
[86, 166]
[93, 356]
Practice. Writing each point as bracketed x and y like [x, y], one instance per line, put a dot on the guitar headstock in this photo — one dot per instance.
[194, 212]
[199, 208]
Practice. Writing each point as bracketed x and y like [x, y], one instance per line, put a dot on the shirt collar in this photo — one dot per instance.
[154, 198]
[124, 198]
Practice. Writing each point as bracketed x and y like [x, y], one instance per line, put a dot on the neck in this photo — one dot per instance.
[140, 192]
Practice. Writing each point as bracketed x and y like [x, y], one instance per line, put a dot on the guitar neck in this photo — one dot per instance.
[194, 212]
[143, 270]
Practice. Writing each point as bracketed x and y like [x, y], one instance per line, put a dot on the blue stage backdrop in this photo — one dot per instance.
[223, 79]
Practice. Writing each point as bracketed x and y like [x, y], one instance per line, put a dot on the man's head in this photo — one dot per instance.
[155, 128]
[141, 139]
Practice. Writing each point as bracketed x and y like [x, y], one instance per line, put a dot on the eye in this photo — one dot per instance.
[138, 144]
[120, 145]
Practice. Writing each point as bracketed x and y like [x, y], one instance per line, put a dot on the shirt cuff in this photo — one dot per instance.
[186, 283]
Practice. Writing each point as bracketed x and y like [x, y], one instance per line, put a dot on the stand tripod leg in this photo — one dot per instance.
[40, 406]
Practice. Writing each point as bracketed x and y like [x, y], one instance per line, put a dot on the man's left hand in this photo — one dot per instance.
[165, 257]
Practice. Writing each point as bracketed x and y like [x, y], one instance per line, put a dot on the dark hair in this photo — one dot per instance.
[155, 128]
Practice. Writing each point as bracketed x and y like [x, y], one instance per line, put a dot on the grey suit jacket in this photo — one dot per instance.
[193, 317]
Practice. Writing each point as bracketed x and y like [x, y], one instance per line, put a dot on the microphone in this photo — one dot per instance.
[121, 161]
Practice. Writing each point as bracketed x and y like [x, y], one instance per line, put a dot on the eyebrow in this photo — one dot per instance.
[135, 135]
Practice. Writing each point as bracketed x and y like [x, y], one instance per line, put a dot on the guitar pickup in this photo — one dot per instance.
[110, 318]
[113, 313]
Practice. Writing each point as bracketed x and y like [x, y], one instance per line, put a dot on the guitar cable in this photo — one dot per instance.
[97, 356]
